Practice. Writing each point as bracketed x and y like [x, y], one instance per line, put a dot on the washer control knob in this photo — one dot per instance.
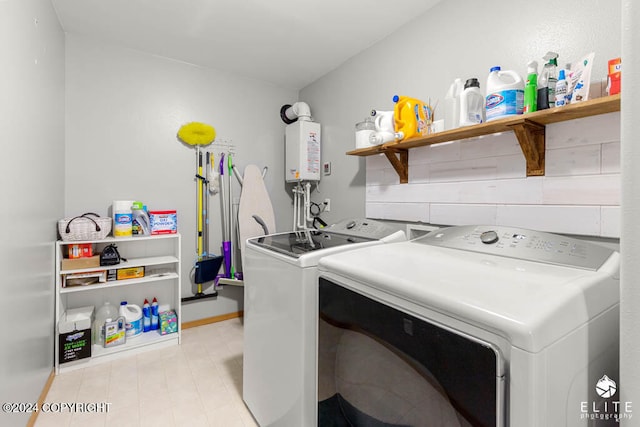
[489, 237]
[351, 224]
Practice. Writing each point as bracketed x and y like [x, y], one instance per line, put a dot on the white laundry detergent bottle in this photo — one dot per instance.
[385, 128]
[471, 104]
[505, 94]
[133, 315]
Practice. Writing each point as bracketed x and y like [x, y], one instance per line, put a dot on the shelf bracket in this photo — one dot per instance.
[400, 163]
[531, 137]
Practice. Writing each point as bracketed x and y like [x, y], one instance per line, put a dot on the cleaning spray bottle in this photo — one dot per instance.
[146, 316]
[155, 319]
[561, 89]
[547, 81]
[531, 88]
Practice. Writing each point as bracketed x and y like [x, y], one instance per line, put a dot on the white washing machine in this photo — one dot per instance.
[280, 316]
[470, 325]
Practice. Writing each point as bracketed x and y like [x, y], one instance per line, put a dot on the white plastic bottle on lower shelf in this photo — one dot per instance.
[106, 311]
[133, 315]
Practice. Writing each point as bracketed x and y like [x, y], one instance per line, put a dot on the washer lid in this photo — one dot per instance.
[298, 243]
[531, 304]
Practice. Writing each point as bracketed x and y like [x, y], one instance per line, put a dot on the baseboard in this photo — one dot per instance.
[214, 319]
[41, 399]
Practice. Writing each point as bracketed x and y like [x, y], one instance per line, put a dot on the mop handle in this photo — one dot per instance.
[222, 197]
[230, 223]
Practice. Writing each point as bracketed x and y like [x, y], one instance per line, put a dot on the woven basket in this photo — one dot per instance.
[84, 227]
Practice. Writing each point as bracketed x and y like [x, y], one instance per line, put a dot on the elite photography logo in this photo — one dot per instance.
[606, 408]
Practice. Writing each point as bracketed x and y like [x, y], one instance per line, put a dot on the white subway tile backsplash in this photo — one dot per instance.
[585, 131]
[501, 144]
[483, 181]
[610, 222]
[396, 193]
[514, 166]
[467, 214]
[611, 157]
[374, 210]
[419, 156]
[414, 212]
[582, 190]
[519, 191]
[463, 170]
[375, 177]
[445, 152]
[419, 173]
[558, 219]
[378, 161]
[584, 160]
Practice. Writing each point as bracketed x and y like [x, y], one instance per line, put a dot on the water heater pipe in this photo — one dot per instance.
[291, 113]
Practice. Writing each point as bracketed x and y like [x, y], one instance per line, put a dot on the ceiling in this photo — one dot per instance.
[289, 43]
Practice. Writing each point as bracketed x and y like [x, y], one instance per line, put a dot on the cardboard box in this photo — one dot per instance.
[168, 322]
[79, 250]
[84, 279]
[130, 273]
[163, 222]
[74, 334]
[78, 263]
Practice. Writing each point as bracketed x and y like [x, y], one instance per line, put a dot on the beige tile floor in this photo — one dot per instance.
[198, 383]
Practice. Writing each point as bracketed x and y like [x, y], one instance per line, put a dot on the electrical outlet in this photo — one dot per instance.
[327, 205]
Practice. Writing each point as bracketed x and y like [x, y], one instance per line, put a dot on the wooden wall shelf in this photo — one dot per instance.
[529, 129]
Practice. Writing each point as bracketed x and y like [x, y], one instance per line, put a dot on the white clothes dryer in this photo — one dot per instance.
[280, 315]
[470, 325]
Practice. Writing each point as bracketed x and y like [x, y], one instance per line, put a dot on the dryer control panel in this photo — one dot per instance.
[522, 244]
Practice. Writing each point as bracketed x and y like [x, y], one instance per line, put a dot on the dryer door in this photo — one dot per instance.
[378, 366]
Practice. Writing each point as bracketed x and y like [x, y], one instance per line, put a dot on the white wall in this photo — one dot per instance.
[124, 108]
[464, 39]
[31, 190]
[630, 238]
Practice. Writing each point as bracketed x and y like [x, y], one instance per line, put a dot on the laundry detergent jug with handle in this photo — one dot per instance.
[106, 311]
[412, 117]
[383, 122]
[133, 315]
[505, 94]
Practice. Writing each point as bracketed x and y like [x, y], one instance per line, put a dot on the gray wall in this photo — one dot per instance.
[456, 38]
[124, 109]
[31, 190]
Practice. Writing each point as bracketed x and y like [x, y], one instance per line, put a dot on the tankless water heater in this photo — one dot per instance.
[302, 144]
[302, 147]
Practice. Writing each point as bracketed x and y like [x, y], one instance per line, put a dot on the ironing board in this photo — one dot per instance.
[254, 200]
